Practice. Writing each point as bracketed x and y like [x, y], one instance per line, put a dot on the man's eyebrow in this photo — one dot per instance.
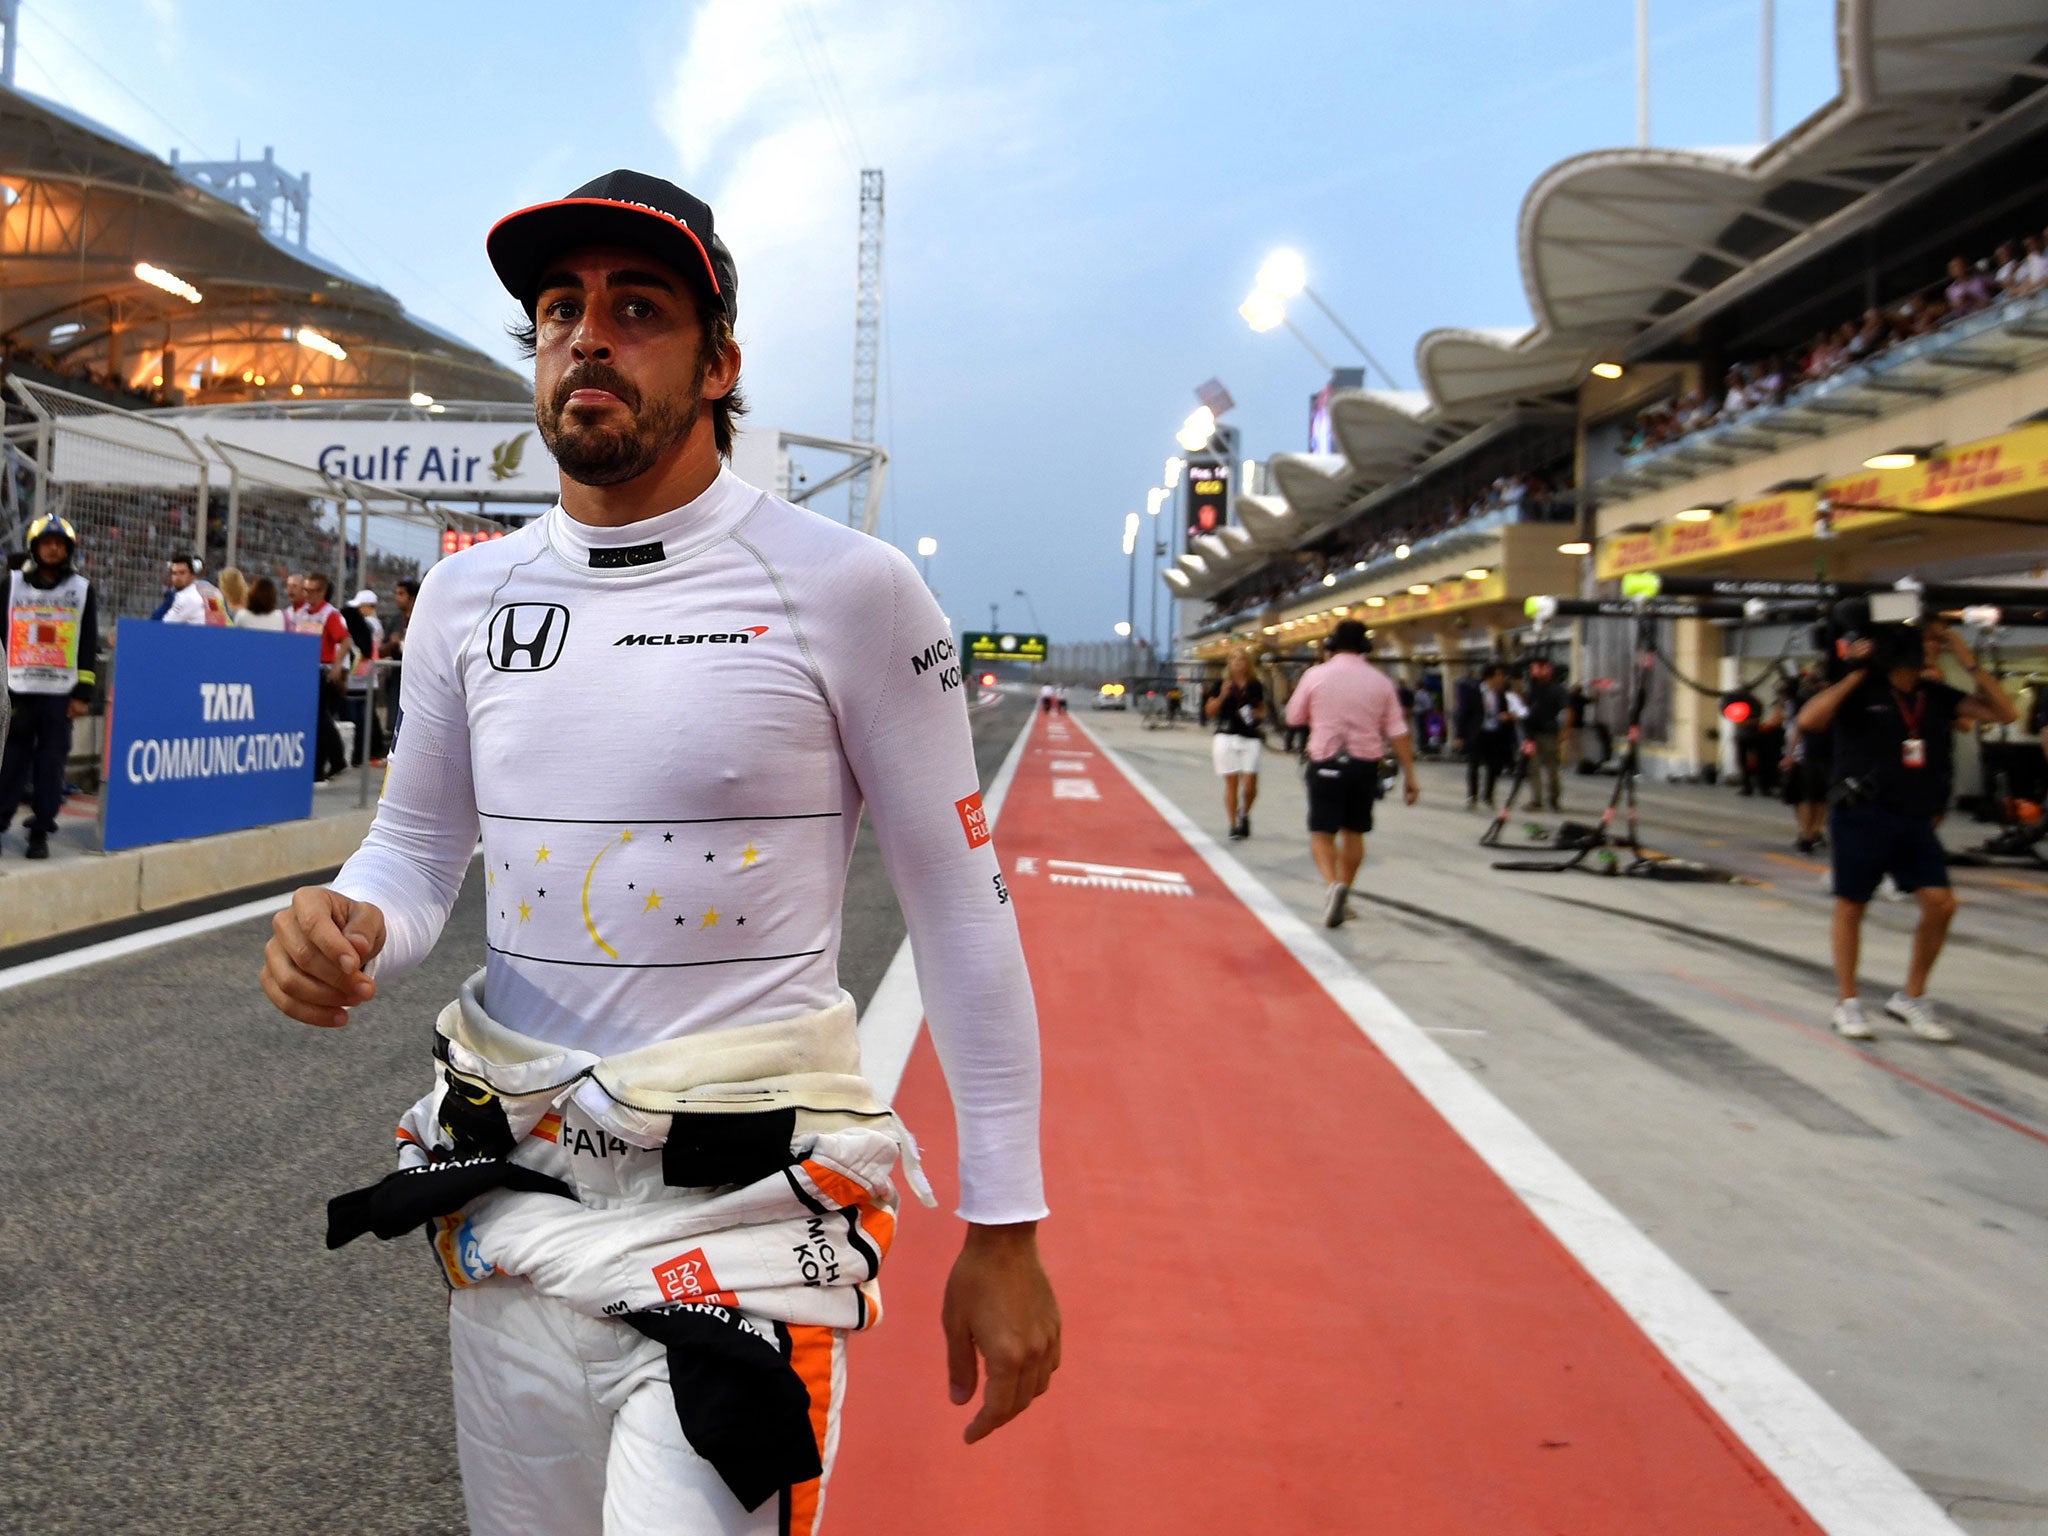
[633, 277]
[625, 277]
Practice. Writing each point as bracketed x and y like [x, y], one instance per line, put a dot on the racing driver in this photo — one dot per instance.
[658, 1187]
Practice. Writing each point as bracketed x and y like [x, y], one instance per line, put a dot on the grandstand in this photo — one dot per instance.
[144, 303]
[1722, 338]
[81, 208]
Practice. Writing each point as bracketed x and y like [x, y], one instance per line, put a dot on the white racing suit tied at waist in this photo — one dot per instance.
[583, 1119]
[700, 1189]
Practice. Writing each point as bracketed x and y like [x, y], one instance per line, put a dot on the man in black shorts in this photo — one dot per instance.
[1353, 713]
[1894, 768]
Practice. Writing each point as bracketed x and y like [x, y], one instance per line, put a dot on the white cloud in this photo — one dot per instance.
[772, 108]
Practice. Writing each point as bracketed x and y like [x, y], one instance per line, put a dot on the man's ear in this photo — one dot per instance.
[724, 374]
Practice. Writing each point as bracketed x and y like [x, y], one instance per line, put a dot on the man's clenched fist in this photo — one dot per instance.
[319, 945]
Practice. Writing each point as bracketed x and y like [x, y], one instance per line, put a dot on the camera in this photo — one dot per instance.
[1890, 621]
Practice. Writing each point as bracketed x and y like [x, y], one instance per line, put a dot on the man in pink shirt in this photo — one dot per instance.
[1353, 714]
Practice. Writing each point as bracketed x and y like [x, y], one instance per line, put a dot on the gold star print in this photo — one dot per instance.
[490, 879]
[749, 855]
[653, 902]
[541, 854]
[524, 911]
[710, 920]
[626, 836]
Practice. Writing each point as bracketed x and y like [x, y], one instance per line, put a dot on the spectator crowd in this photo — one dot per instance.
[2014, 271]
[1514, 498]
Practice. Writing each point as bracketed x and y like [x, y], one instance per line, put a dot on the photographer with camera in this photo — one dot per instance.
[1894, 769]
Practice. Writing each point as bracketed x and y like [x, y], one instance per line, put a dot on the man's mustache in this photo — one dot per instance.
[595, 375]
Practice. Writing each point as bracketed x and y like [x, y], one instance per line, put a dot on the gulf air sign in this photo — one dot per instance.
[429, 457]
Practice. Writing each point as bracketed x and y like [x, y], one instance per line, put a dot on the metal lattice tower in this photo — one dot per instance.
[10, 23]
[867, 331]
[281, 202]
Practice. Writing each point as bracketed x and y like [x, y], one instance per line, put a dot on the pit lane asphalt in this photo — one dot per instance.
[179, 1352]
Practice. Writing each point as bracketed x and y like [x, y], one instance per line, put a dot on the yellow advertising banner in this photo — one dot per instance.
[1769, 520]
[1992, 469]
[1443, 597]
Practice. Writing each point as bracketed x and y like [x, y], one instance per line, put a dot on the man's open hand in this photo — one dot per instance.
[313, 964]
[1000, 1304]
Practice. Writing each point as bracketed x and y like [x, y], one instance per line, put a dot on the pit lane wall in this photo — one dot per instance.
[206, 785]
[42, 901]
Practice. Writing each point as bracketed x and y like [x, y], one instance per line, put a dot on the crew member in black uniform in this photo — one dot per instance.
[1894, 769]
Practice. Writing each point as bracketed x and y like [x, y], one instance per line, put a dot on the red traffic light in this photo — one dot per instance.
[1736, 709]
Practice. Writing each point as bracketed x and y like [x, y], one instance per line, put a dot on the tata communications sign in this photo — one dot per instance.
[210, 730]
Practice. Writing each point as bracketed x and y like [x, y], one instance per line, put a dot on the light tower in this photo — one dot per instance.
[867, 334]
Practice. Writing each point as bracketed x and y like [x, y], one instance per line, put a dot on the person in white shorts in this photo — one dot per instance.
[658, 1186]
[1237, 706]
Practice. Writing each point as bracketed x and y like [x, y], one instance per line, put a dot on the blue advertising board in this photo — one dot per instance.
[209, 730]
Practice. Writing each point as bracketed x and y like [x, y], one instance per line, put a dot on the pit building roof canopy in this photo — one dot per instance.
[1622, 249]
[80, 206]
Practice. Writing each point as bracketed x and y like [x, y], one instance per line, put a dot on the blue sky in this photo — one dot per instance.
[1078, 194]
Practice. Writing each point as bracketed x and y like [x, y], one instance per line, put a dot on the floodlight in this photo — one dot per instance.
[1898, 458]
[1263, 311]
[1123, 630]
[1330, 580]
[170, 282]
[313, 341]
[927, 546]
[1575, 547]
[1283, 275]
[1607, 370]
[1171, 477]
[421, 399]
[1699, 514]
[1402, 551]
[1478, 573]
[1154, 500]
[1130, 532]
[1195, 432]
[1420, 589]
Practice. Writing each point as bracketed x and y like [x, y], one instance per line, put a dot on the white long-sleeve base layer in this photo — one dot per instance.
[665, 734]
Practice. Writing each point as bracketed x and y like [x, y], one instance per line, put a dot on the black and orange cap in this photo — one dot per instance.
[626, 208]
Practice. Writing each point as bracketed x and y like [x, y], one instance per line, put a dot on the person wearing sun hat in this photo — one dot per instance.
[666, 704]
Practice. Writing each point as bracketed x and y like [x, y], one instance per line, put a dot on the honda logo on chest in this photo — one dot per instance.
[527, 637]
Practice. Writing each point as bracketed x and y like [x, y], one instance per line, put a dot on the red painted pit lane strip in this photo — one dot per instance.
[1295, 1299]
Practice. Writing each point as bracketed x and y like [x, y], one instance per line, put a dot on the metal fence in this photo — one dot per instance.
[1092, 662]
[141, 489]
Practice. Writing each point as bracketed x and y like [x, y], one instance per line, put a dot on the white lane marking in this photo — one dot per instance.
[1074, 789]
[1845, 1483]
[888, 1029]
[1065, 765]
[1116, 877]
[135, 943]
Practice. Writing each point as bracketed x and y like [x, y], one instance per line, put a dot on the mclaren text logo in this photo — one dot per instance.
[729, 637]
[527, 637]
